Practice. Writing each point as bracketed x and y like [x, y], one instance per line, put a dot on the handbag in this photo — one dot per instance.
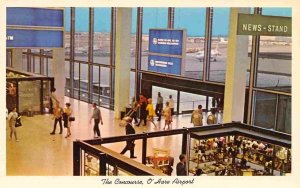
[71, 118]
[18, 122]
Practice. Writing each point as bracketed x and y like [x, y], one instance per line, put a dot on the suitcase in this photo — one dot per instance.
[123, 122]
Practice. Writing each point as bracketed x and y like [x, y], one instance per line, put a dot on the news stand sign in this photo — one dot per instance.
[252, 24]
[34, 27]
[167, 51]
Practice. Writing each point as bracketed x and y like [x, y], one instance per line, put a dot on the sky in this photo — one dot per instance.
[191, 19]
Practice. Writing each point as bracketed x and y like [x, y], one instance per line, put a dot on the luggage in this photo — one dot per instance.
[123, 122]
[18, 122]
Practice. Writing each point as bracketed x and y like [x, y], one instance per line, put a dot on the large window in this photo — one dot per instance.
[165, 93]
[274, 65]
[219, 44]
[67, 37]
[152, 18]
[284, 114]
[193, 21]
[272, 111]
[265, 109]
[81, 33]
[102, 25]
[190, 101]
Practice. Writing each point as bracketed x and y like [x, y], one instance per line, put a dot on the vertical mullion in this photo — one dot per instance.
[178, 102]
[207, 44]
[99, 86]
[47, 68]
[79, 80]
[41, 58]
[28, 60]
[276, 112]
[139, 35]
[33, 64]
[72, 48]
[90, 54]
[253, 71]
[112, 54]
[41, 97]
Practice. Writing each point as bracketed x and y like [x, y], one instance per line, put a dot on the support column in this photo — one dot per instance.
[16, 60]
[236, 67]
[59, 73]
[122, 60]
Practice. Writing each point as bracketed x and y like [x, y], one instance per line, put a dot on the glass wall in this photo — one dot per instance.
[195, 28]
[274, 74]
[152, 18]
[265, 109]
[165, 93]
[190, 101]
[272, 89]
[67, 22]
[283, 123]
[81, 33]
[272, 111]
[102, 24]
[219, 44]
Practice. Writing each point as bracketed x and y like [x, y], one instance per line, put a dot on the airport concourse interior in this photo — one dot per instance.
[168, 91]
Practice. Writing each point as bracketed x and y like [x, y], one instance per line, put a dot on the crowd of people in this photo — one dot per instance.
[145, 108]
[146, 111]
[142, 108]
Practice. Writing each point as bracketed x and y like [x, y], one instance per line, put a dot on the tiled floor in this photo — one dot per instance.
[38, 153]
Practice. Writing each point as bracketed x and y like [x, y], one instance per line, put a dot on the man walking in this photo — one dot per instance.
[159, 106]
[129, 144]
[57, 116]
[97, 118]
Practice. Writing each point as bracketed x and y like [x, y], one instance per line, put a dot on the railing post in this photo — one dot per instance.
[102, 164]
[184, 143]
[76, 158]
[144, 150]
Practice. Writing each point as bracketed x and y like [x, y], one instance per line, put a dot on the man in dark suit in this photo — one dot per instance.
[181, 166]
[129, 144]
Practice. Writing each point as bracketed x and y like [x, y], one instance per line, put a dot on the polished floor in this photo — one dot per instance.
[40, 154]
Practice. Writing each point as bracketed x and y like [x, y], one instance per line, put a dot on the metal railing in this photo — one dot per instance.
[95, 146]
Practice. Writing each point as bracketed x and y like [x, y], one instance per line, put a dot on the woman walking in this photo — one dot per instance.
[12, 118]
[151, 112]
[67, 122]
